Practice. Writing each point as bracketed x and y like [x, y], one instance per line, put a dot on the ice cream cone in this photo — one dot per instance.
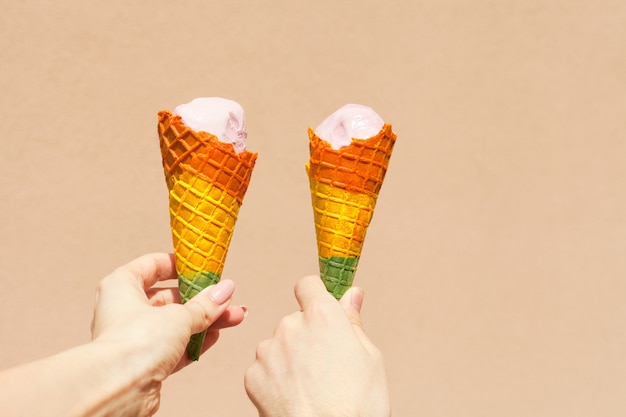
[207, 181]
[344, 186]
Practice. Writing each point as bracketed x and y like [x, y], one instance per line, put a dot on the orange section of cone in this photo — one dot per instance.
[359, 167]
[201, 153]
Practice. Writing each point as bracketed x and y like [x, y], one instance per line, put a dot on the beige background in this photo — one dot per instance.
[495, 267]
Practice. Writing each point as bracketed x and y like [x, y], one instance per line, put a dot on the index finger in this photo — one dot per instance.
[151, 268]
[309, 288]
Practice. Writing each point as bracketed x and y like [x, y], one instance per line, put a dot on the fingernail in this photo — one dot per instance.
[222, 291]
[245, 311]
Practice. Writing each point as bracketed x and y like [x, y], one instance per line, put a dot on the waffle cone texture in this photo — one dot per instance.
[345, 184]
[207, 181]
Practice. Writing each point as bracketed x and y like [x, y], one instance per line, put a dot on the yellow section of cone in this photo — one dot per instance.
[203, 218]
[341, 218]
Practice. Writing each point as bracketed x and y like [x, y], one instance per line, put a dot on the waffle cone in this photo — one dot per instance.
[207, 182]
[202, 219]
[344, 186]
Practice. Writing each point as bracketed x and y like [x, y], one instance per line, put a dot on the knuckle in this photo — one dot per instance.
[200, 315]
[262, 349]
[206, 318]
[250, 379]
[287, 325]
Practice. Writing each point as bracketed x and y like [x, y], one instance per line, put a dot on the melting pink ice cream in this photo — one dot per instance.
[219, 116]
[350, 121]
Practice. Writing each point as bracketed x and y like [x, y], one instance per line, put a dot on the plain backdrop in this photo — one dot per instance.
[494, 267]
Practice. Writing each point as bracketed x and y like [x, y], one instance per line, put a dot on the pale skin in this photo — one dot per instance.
[319, 362]
[139, 336]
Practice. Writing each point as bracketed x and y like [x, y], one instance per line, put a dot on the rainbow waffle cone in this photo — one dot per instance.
[344, 187]
[207, 181]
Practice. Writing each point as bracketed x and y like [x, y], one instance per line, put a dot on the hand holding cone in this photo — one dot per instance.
[344, 184]
[207, 180]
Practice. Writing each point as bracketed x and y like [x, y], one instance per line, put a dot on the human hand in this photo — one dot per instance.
[151, 325]
[319, 361]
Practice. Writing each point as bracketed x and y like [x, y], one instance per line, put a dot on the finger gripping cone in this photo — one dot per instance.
[344, 186]
[207, 182]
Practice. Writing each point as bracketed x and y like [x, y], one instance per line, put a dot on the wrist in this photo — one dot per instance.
[126, 377]
[98, 380]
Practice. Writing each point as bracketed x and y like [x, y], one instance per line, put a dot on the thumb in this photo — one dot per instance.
[351, 302]
[209, 304]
